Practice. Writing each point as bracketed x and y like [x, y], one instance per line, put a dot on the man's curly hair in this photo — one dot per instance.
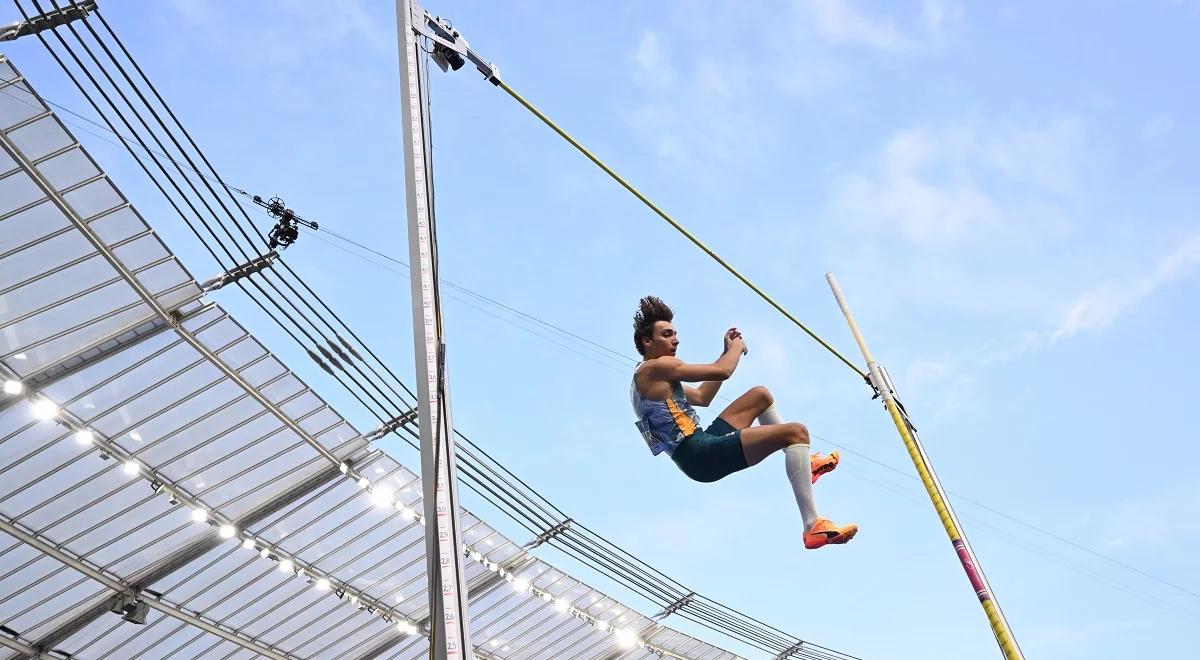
[650, 310]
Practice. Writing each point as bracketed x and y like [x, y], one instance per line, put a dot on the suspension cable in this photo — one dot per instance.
[597, 552]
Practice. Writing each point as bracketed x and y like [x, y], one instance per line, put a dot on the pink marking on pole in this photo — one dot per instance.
[972, 572]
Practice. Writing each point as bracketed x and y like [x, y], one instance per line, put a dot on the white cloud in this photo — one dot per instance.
[1101, 306]
[839, 22]
[273, 44]
[806, 52]
[195, 12]
[1168, 517]
[924, 370]
[1046, 156]
[1190, 6]
[714, 78]
[1026, 341]
[936, 14]
[699, 117]
[1075, 636]
[938, 186]
[652, 67]
[703, 97]
[1158, 127]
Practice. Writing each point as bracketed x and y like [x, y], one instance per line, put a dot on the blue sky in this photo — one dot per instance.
[1006, 192]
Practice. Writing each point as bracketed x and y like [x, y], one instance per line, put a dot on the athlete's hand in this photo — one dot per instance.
[732, 337]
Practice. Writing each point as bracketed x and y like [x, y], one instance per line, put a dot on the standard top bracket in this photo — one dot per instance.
[450, 49]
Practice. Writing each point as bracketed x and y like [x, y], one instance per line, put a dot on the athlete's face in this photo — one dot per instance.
[663, 341]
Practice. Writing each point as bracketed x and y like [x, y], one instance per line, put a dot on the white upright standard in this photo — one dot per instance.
[449, 637]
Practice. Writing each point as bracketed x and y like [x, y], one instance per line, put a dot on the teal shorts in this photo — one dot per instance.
[711, 454]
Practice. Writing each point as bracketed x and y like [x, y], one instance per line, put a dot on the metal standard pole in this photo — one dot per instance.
[449, 638]
[1004, 634]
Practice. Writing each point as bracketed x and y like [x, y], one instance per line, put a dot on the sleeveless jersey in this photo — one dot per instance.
[664, 424]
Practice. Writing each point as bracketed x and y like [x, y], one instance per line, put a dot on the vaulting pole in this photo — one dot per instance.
[883, 385]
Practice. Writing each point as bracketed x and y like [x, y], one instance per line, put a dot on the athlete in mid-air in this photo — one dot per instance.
[668, 422]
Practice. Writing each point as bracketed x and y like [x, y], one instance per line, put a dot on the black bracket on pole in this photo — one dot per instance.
[676, 606]
[549, 534]
[790, 651]
[403, 419]
[236, 273]
[47, 21]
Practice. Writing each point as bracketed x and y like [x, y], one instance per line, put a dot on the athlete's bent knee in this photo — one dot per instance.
[797, 433]
[763, 395]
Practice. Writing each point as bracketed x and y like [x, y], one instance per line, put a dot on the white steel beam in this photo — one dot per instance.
[117, 585]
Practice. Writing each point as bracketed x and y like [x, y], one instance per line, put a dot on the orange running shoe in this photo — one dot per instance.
[822, 464]
[824, 532]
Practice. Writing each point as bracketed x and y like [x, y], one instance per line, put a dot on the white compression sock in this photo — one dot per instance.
[799, 472]
[770, 416]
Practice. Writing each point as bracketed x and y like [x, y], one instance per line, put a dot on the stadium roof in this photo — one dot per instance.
[157, 460]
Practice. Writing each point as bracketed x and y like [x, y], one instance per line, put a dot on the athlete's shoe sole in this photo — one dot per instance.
[823, 533]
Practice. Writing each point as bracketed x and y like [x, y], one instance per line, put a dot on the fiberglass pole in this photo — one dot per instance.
[882, 384]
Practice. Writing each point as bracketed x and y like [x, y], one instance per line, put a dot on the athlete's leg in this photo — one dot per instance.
[770, 416]
[742, 412]
[821, 465]
[761, 441]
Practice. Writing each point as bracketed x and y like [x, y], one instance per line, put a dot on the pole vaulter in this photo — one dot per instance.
[451, 51]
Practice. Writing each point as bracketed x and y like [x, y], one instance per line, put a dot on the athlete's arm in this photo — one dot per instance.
[702, 395]
[672, 368]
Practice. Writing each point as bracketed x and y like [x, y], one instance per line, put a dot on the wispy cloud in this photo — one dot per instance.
[1086, 634]
[701, 95]
[195, 12]
[1158, 127]
[812, 48]
[1101, 306]
[273, 44]
[1168, 517]
[839, 22]
[939, 15]
[936, 185]
[651, 65]
[696, 116]
[1091, 311]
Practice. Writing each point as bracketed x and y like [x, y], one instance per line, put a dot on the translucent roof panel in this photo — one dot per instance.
[158, 463]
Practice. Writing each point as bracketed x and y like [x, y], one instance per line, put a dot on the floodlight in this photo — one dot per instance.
[44, 409]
